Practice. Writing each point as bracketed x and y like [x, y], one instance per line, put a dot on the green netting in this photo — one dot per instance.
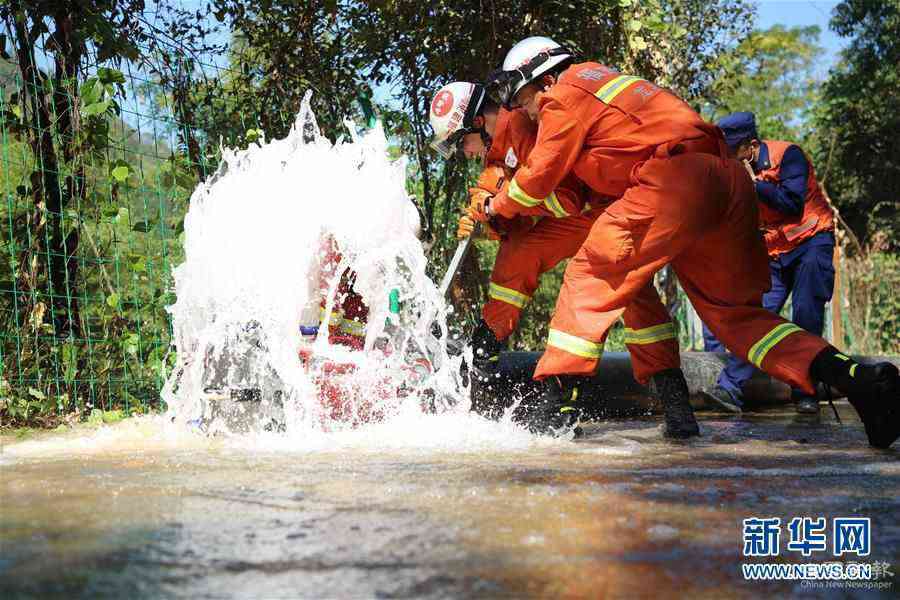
[90, 239]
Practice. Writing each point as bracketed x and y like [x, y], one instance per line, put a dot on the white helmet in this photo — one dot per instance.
[525, 62]
[453, 110]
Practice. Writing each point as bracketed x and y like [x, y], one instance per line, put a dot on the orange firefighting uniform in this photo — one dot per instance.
[527, 252]
[680, 201]
[785, 232]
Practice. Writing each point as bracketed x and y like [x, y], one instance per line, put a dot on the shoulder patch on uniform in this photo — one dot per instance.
[511, 159]
[596, 73]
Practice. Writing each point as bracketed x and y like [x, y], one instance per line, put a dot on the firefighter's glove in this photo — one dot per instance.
[478, 204]
[491, 179]
[466, 226]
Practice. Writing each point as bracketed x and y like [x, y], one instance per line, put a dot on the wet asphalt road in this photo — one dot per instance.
[618, 514]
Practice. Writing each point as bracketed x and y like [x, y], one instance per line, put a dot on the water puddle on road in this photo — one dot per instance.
[433, 506]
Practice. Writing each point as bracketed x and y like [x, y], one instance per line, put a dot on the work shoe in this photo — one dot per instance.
[670, 388]
[873, 390]
[876, 397]
[807, 406]
[722, 398]
[486, 349]
[555, 410]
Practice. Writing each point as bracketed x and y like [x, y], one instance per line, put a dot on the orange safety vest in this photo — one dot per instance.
[784, 232]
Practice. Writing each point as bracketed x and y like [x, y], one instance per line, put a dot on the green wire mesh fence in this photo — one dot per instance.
[95, 177]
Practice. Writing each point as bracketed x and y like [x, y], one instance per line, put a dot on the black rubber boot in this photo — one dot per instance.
[670, 388]
[555, 410]
[486, 349]
[873, 390]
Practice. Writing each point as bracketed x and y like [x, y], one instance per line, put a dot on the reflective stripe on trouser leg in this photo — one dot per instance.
[646, 317]
[652, 349]
[758, 351]
[503, 309]
[650, 335]
[575, 345]
[508, 295]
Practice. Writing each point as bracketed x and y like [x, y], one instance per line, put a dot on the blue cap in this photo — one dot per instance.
[738, 127]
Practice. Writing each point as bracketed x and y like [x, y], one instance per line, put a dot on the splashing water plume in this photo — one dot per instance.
[254, 236]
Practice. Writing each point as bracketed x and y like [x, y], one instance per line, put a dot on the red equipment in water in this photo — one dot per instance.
[343, 396]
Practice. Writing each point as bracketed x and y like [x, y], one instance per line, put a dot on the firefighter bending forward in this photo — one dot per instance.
[680, 201]
[538, 236]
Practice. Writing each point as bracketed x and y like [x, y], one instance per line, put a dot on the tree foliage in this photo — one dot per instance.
[858, 121]
[770, 73]
[280, 50]
[74, 193]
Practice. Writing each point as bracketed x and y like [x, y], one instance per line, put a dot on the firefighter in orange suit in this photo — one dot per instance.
[799, 231]
[680, 200]
[538, 237]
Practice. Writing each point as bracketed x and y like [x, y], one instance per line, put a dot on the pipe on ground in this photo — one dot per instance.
[613, 391]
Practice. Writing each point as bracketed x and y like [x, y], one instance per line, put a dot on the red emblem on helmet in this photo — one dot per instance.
[442, 103]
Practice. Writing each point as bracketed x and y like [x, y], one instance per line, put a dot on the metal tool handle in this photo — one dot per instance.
[462, 249]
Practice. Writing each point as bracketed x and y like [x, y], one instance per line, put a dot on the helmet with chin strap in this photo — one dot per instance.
[452, 115]
[526, 62]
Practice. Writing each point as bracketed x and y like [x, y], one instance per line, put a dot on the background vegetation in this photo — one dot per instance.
[111, 111]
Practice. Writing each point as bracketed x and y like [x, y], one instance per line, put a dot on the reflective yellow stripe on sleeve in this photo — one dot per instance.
[759, 350]
[574, 345]
[551, 202]
[519, 195]
[650, 335]
[507, 295]
[614, 87]
[553, 205]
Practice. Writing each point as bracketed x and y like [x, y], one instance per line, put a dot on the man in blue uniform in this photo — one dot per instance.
[798, 225]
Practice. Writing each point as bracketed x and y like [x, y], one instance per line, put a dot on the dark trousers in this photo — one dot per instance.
[806, 273]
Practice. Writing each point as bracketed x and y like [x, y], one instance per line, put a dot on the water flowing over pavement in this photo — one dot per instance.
[433, 507]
